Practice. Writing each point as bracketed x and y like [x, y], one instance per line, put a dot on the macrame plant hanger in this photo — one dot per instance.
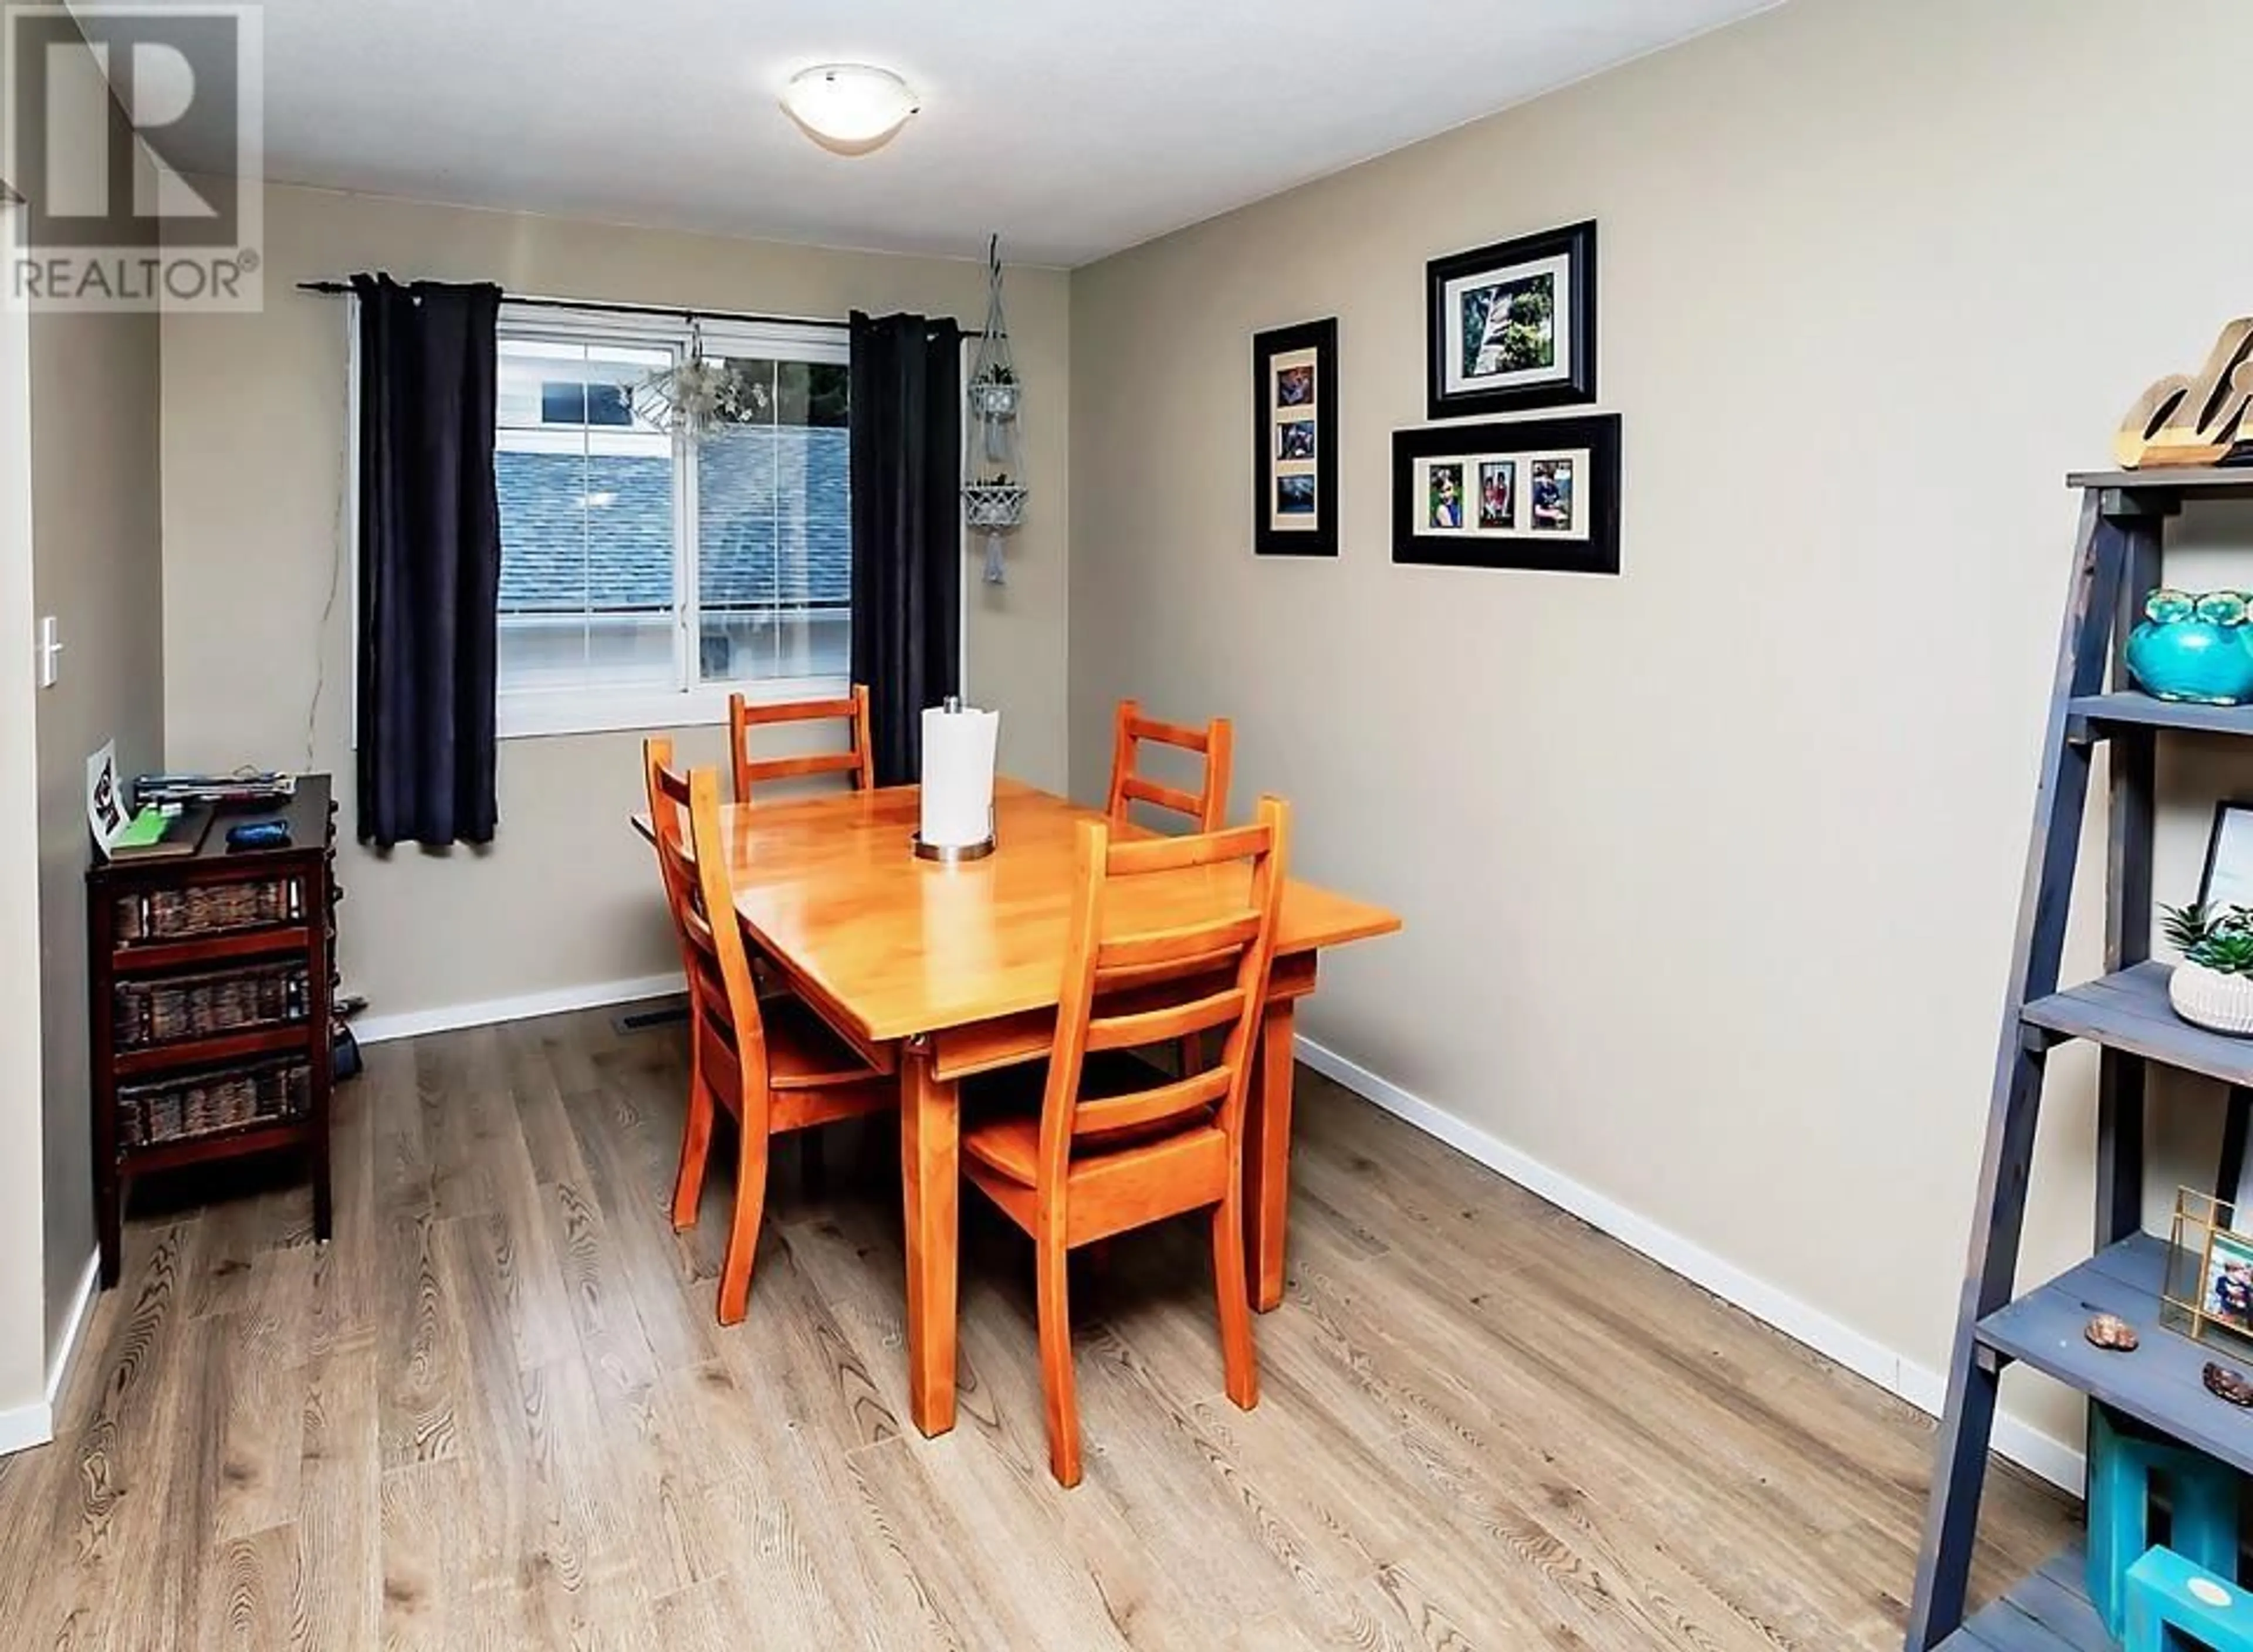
[993, 463]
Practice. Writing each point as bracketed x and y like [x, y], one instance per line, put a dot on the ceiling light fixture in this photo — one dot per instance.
[849, 107]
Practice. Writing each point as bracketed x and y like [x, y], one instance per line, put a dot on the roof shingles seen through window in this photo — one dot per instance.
[593, 532]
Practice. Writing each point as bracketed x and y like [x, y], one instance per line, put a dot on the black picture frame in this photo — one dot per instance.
[2238, 876]
[2230, 1185]
[1575, 382]
[1590, 545]
[1274, 531]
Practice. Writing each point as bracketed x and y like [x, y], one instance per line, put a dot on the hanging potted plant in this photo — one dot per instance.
[994, 392]
[993, 491]
[995, 502]
[2213, 986]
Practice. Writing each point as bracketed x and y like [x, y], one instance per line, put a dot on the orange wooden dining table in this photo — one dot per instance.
[954, 970]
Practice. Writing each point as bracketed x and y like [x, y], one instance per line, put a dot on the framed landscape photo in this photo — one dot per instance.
[1294, 437]
[1534, 494]
[1512, 326]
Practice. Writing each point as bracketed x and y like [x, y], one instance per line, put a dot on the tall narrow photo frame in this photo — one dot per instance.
[1295, 502]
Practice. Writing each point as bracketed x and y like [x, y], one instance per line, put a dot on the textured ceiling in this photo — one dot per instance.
[1074, 128]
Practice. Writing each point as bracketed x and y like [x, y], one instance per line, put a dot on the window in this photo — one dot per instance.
[575, 402]
[645, 575]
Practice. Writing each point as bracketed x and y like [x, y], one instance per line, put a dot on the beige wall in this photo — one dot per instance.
[254, 411]
[94, 521]
[95, 525]
[23, 1330]
[1710, 871]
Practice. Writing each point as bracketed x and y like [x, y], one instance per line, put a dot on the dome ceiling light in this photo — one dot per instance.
[849, 108]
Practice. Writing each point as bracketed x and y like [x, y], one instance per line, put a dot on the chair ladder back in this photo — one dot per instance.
[668, 812]
[1206, 808]
[855, 762]
[722, 978]
[1156, 986]
[676, 863]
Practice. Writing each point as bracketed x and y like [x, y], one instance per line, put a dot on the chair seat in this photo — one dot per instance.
[802, 1052]
[1002, 1125]
[1011, 1144]
[1155, 1174]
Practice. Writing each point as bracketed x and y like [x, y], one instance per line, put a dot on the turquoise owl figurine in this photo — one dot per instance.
[2198, 649]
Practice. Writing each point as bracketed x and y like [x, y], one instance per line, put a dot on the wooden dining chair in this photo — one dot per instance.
[1207, 807]
[771, 1064]
[668, 828]
[855, 761]
[1170, 937]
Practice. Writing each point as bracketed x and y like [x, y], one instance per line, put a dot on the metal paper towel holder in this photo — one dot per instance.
[953, 854]
[956, 853]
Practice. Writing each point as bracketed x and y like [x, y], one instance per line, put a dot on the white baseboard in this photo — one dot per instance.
[24, 1426]
[2055, 1461]
[65, 1354]
[377, 1030]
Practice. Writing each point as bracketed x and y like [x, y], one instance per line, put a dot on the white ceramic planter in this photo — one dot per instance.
[2209, 999]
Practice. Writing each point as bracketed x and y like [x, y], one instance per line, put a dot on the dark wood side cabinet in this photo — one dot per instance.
[211, 991]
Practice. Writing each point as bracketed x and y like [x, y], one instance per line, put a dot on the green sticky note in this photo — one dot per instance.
[148, 827]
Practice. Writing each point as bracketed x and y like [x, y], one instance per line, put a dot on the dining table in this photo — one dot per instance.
[943, 972]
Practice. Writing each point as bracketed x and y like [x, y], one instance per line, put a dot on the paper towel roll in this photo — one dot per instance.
[958, 776]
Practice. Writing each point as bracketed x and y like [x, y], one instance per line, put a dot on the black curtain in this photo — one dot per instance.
[907, 535]
[429, 561]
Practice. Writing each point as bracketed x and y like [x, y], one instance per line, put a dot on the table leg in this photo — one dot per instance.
[931, 1171]
[1267, 1155]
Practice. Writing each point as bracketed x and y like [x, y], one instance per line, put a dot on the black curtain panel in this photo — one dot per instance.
[907, 535]
[429, 561]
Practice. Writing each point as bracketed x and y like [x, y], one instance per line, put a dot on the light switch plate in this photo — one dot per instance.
[51, 652]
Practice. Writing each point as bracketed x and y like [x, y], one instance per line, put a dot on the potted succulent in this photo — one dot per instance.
[2213, 986]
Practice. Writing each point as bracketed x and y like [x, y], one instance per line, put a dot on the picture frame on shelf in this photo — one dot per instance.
[2228, 878]
[2206, 1292]
[1295, 498]
[1513, 326]
[1539, 494]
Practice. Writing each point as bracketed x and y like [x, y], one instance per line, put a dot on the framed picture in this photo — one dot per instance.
[1513, 325]
[2205, 1289]
[2227, 880]
[1293, 438]
[2229, 1279]
[1536, 494]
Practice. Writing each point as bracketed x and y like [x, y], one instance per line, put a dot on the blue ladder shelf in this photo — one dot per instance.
[2048, 1610]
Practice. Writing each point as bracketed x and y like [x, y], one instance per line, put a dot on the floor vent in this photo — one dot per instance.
[642, 1020]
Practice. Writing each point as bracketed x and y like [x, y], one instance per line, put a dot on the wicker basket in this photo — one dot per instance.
[212, 909]
[178, 1109]
[173, 1007]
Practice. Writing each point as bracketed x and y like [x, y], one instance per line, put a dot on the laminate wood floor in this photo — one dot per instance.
[496, 1411]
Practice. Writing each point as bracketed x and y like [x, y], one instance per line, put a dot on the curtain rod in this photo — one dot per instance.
[337, 288]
